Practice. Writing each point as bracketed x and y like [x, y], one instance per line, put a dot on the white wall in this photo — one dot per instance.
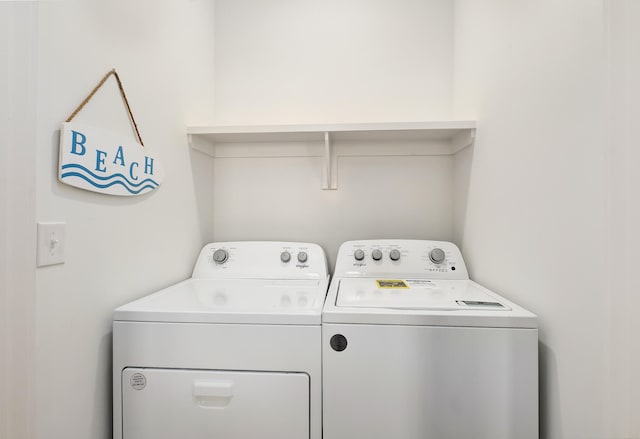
[624, 183]
[18, 45]
[535, 221]
[117, 249]
[291, 61]
[281, 199]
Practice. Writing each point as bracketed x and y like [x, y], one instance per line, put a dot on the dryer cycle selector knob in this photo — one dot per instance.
[220, 256]
[358, 254]
[285, 256]
[394, 254]
[302, 257]
[376, 254]
[437, 255]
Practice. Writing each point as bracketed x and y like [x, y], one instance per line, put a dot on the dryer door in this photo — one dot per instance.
[199, 404]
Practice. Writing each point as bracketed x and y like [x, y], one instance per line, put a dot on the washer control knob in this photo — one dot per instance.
[394, 254]
[302, 257]
[437, 255]
[376, 254]
[285, 256]
[220, 256]
[358, 254]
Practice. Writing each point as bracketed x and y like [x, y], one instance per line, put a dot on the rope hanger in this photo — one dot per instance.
[122, 93]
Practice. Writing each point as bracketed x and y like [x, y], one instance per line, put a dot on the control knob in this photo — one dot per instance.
[285, 256]
[220, 256]
[394, 254]
[358, 254]
[376, 254]
[302, 257]
[437, 255]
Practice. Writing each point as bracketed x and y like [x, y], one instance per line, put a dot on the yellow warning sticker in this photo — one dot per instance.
[391, 283]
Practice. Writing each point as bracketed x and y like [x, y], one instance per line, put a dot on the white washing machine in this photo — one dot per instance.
[413, 349]
[232, 352]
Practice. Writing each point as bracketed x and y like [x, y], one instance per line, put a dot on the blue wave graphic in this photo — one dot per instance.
[108, 177]
[118, 178]
[102, 186]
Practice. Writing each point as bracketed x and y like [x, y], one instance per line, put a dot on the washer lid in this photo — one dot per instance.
[247, 301]
[416, 294]
[423, 302]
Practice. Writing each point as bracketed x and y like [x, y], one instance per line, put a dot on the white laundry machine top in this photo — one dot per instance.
[413, 282]
[244, 283]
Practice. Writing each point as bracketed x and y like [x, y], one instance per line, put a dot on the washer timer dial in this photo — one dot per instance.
[437, 255]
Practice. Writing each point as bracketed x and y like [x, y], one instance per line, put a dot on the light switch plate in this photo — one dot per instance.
[51, 243]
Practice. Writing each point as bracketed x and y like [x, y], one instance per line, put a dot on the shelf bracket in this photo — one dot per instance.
[329, 166]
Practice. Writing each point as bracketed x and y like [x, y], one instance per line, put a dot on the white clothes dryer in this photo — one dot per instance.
[233, 352]
[413, 349]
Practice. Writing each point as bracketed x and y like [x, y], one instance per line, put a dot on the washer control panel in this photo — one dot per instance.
[403, 258]
[261, 260]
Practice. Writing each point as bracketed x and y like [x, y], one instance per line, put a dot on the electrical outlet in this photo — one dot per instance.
[51, 242]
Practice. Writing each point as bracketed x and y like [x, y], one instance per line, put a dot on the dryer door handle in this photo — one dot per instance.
[212, 394]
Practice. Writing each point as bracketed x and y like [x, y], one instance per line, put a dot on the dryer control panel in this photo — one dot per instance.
[261, 260]
[402, 258]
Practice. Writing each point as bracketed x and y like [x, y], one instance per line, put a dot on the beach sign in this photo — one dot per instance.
[101, 161]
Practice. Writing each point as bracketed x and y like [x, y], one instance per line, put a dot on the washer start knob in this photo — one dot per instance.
[302, 257]
[358, 254]
[220, 256]
[394, 254]
[437, 255]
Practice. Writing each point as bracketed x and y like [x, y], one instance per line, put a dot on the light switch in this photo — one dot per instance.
[51, 240]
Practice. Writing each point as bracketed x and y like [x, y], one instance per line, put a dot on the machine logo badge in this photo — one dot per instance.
[138, 381]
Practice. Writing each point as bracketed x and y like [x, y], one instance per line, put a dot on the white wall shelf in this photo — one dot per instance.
[404, 138]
